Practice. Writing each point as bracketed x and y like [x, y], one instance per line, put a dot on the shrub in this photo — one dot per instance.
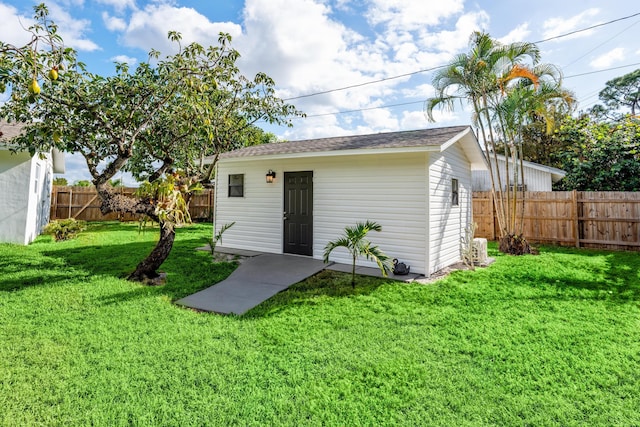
[65, 229]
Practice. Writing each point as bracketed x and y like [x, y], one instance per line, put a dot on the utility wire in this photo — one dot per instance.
[601, 71]
[364, 83]
[422, 102]
[600, 45]
[588, 28]
[324, 92]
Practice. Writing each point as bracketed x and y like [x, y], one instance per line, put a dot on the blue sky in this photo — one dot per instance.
[310, 46]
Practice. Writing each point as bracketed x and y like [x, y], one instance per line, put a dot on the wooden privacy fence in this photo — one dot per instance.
[83, 203]
[597, 219]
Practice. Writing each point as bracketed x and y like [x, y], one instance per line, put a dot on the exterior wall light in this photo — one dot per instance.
[271, 175]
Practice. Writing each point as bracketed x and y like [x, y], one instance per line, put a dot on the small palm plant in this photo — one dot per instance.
[354, 240]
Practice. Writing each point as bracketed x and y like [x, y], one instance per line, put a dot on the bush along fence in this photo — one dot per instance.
[592, 219]
[83, 203]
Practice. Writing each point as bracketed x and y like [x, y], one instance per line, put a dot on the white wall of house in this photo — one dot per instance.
[448, 222]
[536, 177]
[389, 189]
[25, 190]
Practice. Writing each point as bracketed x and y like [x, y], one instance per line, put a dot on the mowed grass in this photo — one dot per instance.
[552, 339]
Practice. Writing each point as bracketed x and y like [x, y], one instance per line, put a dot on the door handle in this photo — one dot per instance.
[284, 216]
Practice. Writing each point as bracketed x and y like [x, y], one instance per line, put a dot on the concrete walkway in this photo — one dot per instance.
[257, 279]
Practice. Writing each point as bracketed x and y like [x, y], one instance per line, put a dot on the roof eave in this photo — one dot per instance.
[57, 158]
[334, 153]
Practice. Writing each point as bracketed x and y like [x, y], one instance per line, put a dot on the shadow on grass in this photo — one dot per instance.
[314, 290]
[21, 271]
[596, 274]
[188, 270]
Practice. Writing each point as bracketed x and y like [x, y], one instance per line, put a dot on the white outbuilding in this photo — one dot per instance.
[25, 188]
[294, 197]
[537, 177]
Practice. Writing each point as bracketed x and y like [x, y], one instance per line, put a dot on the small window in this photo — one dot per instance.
[455, 201]
[236, 185]
[37, 179]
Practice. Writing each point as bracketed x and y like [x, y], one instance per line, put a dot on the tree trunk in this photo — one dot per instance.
[147, 269]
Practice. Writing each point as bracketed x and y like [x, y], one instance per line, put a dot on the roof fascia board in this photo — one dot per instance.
[335, 153]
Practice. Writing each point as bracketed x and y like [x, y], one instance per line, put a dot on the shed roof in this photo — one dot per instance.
[8, 131]
[433, 139]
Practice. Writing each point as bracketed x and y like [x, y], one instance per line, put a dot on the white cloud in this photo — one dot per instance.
[72, 30]
[411, 14]
[518, 34]
[303, 49]
[452, 41]
[557, 26]
[414, 120]
[113, 23]
[124, 58]
[609, 58]
[381, 120]
[11, 30]
[148, 28]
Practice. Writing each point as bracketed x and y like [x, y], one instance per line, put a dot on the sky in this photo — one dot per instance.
[379, 49]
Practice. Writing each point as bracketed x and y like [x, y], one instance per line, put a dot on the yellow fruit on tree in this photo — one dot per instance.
[53, 74]
[57, 136]
[34, 87]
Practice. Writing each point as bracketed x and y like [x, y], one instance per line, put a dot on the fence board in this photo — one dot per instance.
[83, 203]
[597, 219]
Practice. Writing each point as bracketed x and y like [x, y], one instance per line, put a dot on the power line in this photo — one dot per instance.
[602, 71]
[365, 83]
[361, 109]
[422, 102]
[588, 28]
[324, 92]
[600, 45]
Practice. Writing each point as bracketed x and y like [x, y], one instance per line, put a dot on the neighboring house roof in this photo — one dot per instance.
[556, 174]
[434, 139]
[8, 131]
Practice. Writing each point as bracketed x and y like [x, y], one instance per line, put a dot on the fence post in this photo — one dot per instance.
[576, 217]
[70, 201]
[54, 204]
[493, 215]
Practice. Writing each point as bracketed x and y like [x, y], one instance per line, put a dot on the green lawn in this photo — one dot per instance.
[552, 339]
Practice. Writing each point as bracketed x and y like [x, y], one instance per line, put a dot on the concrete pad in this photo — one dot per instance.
[230, 251]
[374, 271]
[255, 280]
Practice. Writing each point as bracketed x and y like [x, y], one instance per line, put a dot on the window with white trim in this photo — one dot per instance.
[236, 185]
[455, 199]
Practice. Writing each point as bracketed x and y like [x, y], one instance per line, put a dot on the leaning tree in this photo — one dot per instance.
[158, 121]
[506, 87]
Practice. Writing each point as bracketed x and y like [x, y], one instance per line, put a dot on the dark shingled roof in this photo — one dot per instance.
[8, 131]
[405, 139]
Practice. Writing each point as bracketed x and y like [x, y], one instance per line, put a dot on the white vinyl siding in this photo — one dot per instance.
[25, 186]
[534, 178]
[258, 215]
[447, 222]
[408, 194]
[387, 189]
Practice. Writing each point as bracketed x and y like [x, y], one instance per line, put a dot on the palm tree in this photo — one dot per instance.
[499, 82]
[354, 240]
[537, 94]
